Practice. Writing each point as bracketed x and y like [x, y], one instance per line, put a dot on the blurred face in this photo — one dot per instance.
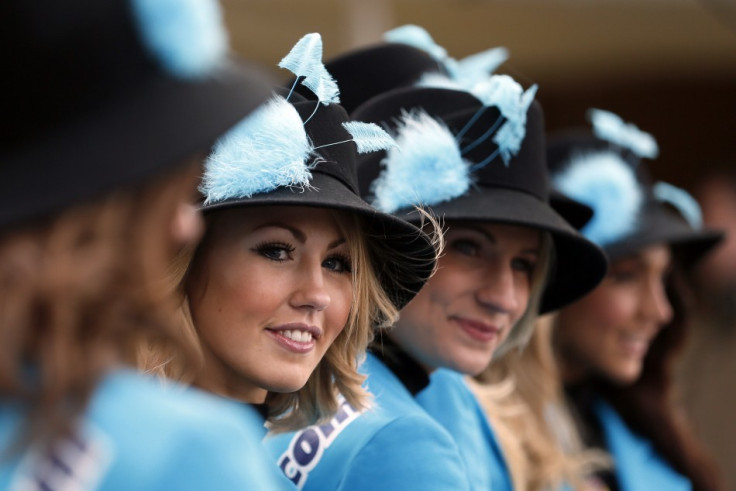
[269, 294]
[470, 305]
[610, 330]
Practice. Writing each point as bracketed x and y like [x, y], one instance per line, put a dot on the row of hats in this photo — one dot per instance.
[470, 144]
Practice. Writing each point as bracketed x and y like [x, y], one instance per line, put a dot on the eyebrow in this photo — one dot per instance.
[492, 238]
[298, 234]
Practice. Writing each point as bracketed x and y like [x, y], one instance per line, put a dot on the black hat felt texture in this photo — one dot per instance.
[656, 222]
[86, 108]
[334, 185]
[517, 194]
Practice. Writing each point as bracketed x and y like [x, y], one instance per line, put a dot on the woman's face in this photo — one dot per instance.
[269, 293]
[609, 331]
[470, 305]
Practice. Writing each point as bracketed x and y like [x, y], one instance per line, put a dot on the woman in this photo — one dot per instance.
[97, 170]
[293, 274]
[615, 346]
[478, 165]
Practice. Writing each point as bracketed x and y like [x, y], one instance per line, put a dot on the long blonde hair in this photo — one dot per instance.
[337, 373]
[522, 395]
[79, 290]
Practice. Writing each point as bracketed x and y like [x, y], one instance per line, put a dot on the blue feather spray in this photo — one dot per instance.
[266, 150]
[609, 126]
[369, 137]
[606, 183]
[187, 37]
[681, 200]
[305, 60]
[418, 37]
[513, 102]
[425, 168]
[477, 67]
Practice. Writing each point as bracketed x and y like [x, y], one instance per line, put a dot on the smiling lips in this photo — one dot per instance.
[478, 330]
[297, 337]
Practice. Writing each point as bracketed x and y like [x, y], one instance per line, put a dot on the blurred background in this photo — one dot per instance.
[669, 66]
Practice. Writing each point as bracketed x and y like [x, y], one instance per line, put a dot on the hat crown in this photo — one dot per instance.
[474, 127]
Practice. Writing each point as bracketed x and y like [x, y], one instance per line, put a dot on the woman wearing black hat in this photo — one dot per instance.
[295, 270]
[615, 346]
[479, 165]
[107, 115]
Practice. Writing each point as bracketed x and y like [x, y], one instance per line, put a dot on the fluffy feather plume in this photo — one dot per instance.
[418, 37]
[187, 36]
[477, 67]
[268, 149]
[439, 81]
[425, 168]
[305, 60]
[508, 96]
[609, 126]
[369, 137]
[603, 181]
[682, 201]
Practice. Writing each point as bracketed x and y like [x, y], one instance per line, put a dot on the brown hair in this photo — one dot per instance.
[77, 292]
[647, 405]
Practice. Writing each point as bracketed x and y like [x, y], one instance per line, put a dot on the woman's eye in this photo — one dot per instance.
[623, 276]
[275, 251]
[338, 264]
[523, 265]
[466, 247]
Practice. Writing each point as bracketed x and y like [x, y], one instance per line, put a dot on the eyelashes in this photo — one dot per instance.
[282, 252]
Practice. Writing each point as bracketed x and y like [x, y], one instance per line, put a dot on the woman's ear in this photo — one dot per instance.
[187, 224]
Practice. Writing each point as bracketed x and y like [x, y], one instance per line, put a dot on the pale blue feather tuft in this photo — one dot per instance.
[305, 60]
[426, 167]
[418, 37]
[305, 56]
[369, 137]
[187, 37]
[323, 85]
[267, 150]
[609, 126]
[439, 81]
[514, 109]
[477, 67]
[682, 200]
[606, 183]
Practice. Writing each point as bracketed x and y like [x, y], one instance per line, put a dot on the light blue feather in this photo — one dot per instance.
[682, 200]
[425, 168]
[418, 37]
[187, 37]
[608, 184]
[477, 67]
[267, 150]
[439, 81]
[323, 85]
[508, 96]
[609, 126]
[305, 56]
[369, 137]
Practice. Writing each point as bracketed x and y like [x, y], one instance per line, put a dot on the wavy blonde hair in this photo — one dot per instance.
[336, 374]
[79, 290]
[523, 398]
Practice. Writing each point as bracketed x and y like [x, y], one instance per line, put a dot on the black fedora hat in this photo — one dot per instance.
[105, 94]
[330, 181]
[512, 192]
[630, 212]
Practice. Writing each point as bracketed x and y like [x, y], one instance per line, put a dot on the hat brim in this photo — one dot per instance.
[659, 226]
[579, 265]
[150, 129]
[413, 248]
